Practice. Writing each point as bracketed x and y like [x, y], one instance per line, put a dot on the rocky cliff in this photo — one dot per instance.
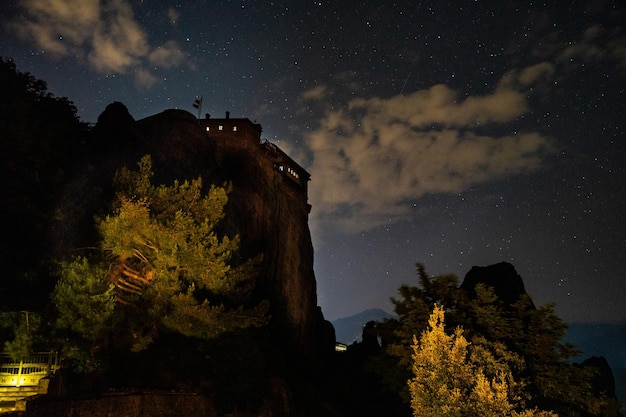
[267, 207]
[502, 277]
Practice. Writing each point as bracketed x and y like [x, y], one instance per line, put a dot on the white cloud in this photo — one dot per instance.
[315, 93]
[106, 32]
[118, 43]
[441, 105]
[530, 75]
[144, 78]
[168, 55]
[373, 157]
[58, 26]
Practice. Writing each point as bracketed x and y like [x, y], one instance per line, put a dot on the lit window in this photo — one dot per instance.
[293, 172]
[220, 127]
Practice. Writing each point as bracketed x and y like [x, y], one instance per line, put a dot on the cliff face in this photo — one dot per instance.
[267, 207]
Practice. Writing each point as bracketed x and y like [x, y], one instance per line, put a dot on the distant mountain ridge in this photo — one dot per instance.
[349, 329]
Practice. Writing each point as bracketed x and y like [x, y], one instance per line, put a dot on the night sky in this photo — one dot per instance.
[453, 133]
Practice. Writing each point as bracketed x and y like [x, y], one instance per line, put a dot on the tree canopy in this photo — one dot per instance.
[160, 266]
[525, 338]
[453, 377]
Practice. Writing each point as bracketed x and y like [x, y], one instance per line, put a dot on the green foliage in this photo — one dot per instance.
[521, 339]
[85, 304]
[161, 267]
[23, 326]
[84, 300]
[452, 379]
[413, 309]
[541, 360]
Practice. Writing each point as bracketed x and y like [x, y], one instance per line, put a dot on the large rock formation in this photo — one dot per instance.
[267, 207]
[502, 277]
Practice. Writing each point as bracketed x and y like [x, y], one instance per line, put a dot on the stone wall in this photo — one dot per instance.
[125, 405]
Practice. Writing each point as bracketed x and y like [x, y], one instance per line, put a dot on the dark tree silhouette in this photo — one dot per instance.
[40, 137]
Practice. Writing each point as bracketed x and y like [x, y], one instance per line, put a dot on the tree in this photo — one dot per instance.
[538, 357]
[452, 379]
[413, 309]
[160, 267]
[527, 339]
[23, 327]
[416, 303]
[40, 138]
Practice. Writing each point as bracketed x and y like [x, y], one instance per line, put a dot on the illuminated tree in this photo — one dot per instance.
[451, 378]
[160, 267]
[524, 338]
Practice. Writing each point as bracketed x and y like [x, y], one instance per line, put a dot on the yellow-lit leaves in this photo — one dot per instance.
[168, 266]
[453, 378]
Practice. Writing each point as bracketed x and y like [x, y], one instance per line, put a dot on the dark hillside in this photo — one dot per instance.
[40, 151]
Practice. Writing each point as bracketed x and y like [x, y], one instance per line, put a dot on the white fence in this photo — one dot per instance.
[28, 372]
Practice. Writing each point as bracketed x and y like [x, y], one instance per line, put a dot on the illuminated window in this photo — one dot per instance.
[292, 172]
[220, 127]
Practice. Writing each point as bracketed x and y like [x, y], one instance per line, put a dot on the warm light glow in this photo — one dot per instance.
[340, 347]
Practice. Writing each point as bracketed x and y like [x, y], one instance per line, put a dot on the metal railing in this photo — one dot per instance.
[28, 372]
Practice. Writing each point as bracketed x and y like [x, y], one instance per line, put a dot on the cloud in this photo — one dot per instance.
[118, 42]
[601, 42]
[168, 55]
[173, 15]
[105, 32]
[376, 155]
[144, 78]
[441, 105]
[57, 26]
[530, 75]
[315, 93]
